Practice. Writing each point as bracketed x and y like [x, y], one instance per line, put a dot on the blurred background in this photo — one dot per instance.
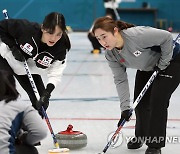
[80, 14]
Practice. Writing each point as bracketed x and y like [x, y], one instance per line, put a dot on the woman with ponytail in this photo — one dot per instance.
[146, 49]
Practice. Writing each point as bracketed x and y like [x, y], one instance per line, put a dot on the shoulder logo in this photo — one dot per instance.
[27, 48]
[46, 61]
[137, 53]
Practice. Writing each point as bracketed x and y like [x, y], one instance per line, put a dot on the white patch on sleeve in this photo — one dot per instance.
[27, 48]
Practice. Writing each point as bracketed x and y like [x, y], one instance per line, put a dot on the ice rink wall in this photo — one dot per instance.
[80, 14]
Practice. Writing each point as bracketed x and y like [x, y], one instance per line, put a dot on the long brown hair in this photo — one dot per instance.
[108, 24]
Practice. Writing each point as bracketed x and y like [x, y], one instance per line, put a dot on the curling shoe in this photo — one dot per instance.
[96, 51]
[134, 143]
[153, 150]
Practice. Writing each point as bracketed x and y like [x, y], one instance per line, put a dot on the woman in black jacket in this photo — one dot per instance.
[44, 47]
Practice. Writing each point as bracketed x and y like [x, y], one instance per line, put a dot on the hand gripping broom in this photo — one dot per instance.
[57, 148]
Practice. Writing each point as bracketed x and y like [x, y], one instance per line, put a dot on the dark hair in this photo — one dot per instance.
[54, 19]
[108, 24]
[8, 90]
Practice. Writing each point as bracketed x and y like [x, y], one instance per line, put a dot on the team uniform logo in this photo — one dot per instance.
[137, 53]
[46, 61]
[43, 60]
[27, 48]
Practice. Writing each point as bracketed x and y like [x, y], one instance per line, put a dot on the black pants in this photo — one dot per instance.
[26, 85]
[95, 43]
[25, 149]
[24, 81]
[152, 111]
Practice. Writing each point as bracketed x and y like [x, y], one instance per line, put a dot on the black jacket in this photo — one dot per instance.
[17, 32]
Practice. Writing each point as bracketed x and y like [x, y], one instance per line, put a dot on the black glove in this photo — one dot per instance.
[17, 54]
[44, 99]
[21, 137]
[157, 69]
[125, 115]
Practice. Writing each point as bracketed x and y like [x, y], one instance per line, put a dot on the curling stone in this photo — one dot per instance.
[71, 139]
